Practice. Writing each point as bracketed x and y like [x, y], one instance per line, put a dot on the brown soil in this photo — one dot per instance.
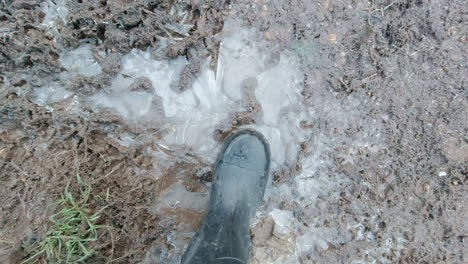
[404, 60]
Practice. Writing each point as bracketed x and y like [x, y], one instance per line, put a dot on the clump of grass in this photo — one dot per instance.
[69, 239]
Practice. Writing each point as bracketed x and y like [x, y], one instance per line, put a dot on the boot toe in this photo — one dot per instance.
[247, 150]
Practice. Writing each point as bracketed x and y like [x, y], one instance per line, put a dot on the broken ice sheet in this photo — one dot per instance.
[217, 94]
[142, 104]
[138, 64]
[193, 115]
[182, 29]
[132, 104]
[80, 61]
[55, 12]
[50, 94]
[283, 223]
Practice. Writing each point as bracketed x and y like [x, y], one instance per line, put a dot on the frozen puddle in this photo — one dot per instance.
[244, 77]
[250, 79]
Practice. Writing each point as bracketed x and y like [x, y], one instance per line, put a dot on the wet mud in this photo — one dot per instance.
[381, 177]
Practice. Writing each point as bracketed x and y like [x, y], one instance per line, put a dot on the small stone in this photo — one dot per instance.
[305, 125]
[452, 31]
[332, 38]
[455, 149]
[283, 223]
[268, 35]
[262, 231]
[342, 58]
[442, 174]
[426, 187]
[464, 39]
[283, 33]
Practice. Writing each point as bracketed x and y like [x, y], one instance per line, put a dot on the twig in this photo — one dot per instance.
[112, 246]
[8, 30]
[108, 174]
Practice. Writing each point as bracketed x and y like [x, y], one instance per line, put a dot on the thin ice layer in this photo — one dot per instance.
[130, 104]
[193, 115]
[178, 197]
[141, 104]
[55, 12]
[77, 62]
[50, 94]
[80, 61]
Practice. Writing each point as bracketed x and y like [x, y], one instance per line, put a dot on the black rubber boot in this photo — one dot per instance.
[240, 177]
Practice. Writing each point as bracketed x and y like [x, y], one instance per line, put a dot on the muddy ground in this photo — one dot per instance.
[403, 61]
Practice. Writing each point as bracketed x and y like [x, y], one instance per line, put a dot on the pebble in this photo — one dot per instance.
[442, 174]
[332, 38]
[452, 31]
[464, 39]
[426, 187]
